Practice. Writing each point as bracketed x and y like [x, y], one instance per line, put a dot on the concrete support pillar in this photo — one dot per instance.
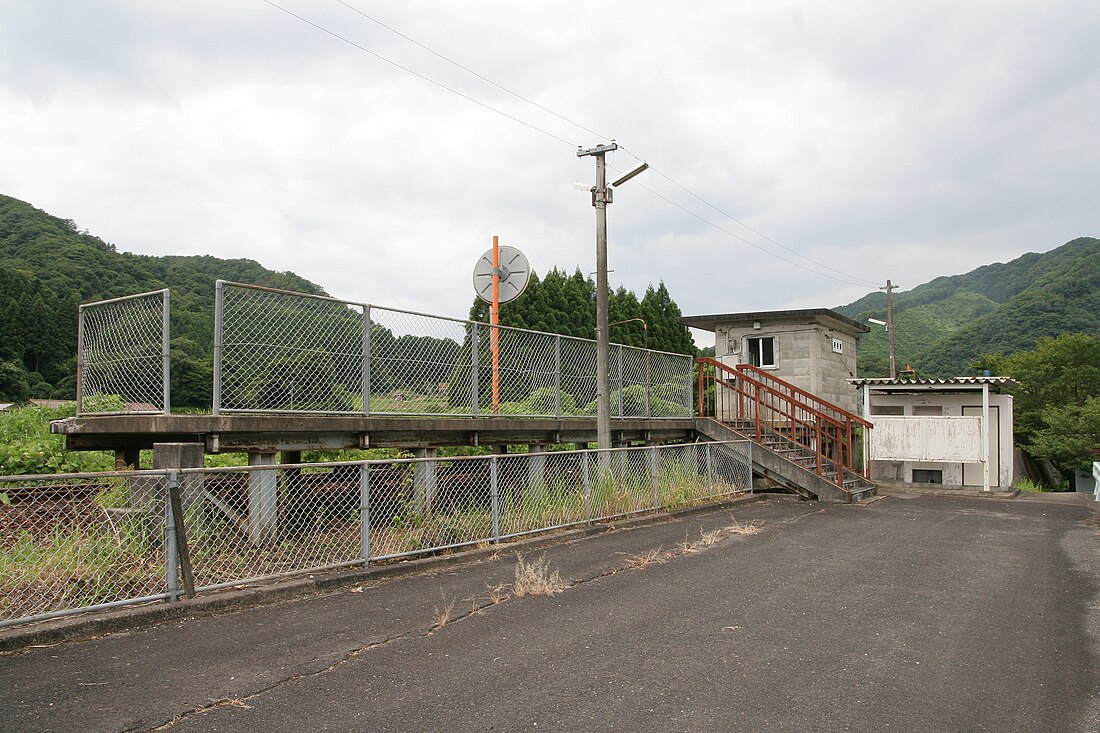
[425, 478]
[263, 499]
[182, 455]
[536, 469]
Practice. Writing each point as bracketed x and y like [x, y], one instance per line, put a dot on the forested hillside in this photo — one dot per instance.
[48, 266]
[942, 325]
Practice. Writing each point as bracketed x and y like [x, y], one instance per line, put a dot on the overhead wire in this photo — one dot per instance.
[468, 70]
[731, 217]
[418, 75]
[844, 277]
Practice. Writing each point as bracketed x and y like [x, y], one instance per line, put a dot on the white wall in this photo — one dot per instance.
[951, 404]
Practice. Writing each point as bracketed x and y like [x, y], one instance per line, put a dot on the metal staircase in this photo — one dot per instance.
[807, 443]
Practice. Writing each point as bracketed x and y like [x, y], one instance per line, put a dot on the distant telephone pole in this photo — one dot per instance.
[889, 288]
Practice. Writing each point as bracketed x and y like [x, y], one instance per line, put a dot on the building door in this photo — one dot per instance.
[972, 472]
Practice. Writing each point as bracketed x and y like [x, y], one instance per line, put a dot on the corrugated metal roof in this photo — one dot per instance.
[926, 381]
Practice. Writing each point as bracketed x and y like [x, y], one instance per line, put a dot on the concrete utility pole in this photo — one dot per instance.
[601, 197]
[889, 288]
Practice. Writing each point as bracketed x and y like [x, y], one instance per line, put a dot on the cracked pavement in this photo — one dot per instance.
[914, 613]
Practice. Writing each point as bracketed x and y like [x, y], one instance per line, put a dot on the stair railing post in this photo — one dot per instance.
[820, 468]
[839, 458]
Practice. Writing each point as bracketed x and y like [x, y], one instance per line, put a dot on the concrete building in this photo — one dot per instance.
[814, 349]
[940, 431]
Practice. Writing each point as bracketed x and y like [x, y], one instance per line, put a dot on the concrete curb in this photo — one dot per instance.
[49, 633]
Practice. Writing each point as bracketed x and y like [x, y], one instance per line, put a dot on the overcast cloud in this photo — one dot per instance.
[883, 139]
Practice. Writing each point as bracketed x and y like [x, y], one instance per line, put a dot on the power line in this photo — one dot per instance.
[727, 232]
[844, 277]
[754, 231]
[468, 70]
[418, 75]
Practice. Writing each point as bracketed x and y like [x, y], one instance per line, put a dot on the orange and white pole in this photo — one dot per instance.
[494, 322]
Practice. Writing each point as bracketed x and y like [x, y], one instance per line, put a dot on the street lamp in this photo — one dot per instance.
[601, 197]
[890, 333]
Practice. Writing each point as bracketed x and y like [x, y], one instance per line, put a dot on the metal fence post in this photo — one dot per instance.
[474, 367]
[366, 360]
[166, 364]
[180, 531]
[171, 552]
[494, 493]
[364, 513]
[557, 375]
[653, 473]
[587, 486]
[80, 359]
[219, 308]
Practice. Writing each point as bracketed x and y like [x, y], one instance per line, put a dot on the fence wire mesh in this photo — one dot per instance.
[123, 355]
[70, 543]
[278, 351]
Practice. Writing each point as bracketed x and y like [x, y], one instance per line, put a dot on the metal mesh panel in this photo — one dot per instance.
[265, 521]
[73, 542]
[287, 352]
[417, 365]
[69, 543]
[122, 355]
[729, 467]
[672, 382]
[540, 490]
[578, 377]
[283, 352]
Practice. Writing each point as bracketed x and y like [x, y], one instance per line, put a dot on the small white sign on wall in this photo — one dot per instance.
[838, 346]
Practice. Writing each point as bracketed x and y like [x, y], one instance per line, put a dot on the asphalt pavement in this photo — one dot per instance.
[911, 613]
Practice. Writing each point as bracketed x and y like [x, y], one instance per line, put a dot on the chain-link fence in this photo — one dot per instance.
[277, 351]
[122, 355]
[78, 542]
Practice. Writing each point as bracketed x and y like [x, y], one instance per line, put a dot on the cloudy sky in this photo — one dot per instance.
[801, 153]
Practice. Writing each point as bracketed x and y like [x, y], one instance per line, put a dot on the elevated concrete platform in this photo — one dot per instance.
[266, 433]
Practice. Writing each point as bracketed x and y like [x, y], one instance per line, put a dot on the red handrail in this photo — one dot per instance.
[774, 404]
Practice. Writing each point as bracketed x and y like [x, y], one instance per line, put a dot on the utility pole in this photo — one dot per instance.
[890, 327]
[601, 197]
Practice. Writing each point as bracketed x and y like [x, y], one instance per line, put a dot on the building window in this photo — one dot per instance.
[761, 351]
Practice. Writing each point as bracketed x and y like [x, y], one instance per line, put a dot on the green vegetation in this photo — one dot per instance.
[942, 325]
[1057, 405]
[27, 447]
[48, 266]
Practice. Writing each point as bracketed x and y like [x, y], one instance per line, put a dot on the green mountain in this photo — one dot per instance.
[942, 325]
[48, 266]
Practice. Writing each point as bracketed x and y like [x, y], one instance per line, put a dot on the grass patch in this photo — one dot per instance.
[535, 578]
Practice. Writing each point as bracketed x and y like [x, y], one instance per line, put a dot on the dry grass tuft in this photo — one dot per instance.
[536, 579]
[231, 702]
[751, 528]
[712, 537]
[687, 548]
[442, 616]
[498, 594]
[643, 561]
